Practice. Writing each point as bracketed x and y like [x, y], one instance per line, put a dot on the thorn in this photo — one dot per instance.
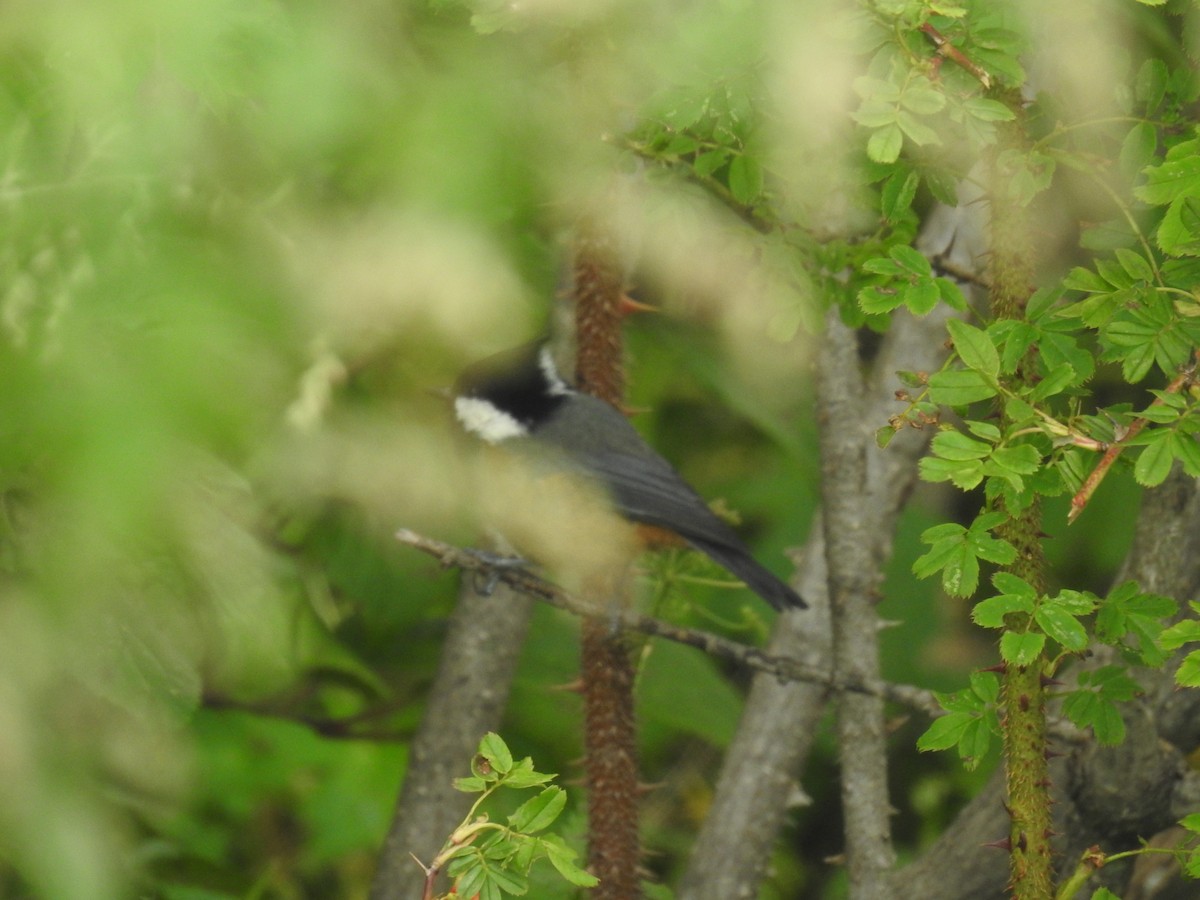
[1047, 681]
[999, 667]
[1004, 844]
[571, 687]
[646, 787]
[1021, 844]
[627, 306]
[1053, 754]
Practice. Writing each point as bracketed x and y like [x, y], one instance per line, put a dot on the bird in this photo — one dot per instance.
[517, 400]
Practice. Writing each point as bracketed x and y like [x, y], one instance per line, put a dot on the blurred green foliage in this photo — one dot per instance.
[241, 241]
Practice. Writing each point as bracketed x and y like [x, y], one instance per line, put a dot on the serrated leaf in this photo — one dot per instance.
[875, 300]
[471, 785]
[496, 752]
[1062, 627]
[922, 97]
[1137, 150]
[1172, 179]
[898, 193]
[954, 445]
[708, 162]
[1150, 86]
[1060, 378]
[945, 732]
[1188, 673]
[951, 294]
[538, 813]
[985, 430]
[974, 347]
[916, 130]
[964, 474]
[987, 110]
[985, 686]
[885, 144]
[1135, 265]
[1181, 633]
[1022, 459]
[745, 179]
[1021, 649]
[563, 859]
[1154, 462]
[911, 260]
[959, 387]
[990, 613]
[922, 297]
[1081, 279]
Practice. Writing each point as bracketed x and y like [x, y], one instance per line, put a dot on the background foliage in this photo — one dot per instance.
[242, 240]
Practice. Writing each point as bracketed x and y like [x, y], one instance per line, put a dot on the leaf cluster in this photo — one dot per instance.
[490, 860]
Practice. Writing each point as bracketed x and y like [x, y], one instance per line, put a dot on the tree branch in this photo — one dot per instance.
[754, 658]
[467, 700]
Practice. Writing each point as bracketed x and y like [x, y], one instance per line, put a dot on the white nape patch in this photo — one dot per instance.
[554, 383]
[486, 421]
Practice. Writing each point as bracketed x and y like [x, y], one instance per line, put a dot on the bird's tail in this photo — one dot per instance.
[757, 577]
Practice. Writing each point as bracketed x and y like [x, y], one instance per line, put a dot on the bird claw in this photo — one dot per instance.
[485, 580]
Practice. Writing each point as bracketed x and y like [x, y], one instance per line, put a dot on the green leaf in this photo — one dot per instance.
[959, 387]
[708, 162]
[897, 195]
[885, 144]
[1178, 176]
[975, 348]
[985, 686]
[951, 294]
[1063, 627]
[1021, 649]
[990, 613]
[1080, 279]
[965, 475]
[911, 260]
[1023, 459]
[916, 130]
[875, 300]
[563, 858]
[922, 97]
[945, 732]
[954, 445]
[1135, 265]
[538, 813]
[988, 110]
[1151, 84]
[1137, 150]
[745, 179]
[1182, 632]
[955, 552]
[1154, 462]
[496, 752]
[472, 785]
[922, 297]
[1188, 674]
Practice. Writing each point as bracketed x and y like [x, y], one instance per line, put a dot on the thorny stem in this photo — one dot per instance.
[1080, 500]
[1024, 725]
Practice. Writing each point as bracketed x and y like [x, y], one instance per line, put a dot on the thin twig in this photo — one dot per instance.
[1186, 377]
[721, 648]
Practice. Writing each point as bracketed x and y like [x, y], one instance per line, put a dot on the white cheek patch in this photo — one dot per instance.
[485, 421]
[554, 383]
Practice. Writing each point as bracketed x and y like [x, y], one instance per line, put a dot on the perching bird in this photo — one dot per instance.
[518, 401]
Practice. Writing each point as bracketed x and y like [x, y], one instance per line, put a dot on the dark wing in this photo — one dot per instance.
[647, 489]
